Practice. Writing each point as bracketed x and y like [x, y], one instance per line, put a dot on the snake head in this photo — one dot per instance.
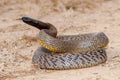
[35, 23]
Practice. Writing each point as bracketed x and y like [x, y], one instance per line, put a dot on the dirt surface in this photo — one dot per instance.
[18, 40]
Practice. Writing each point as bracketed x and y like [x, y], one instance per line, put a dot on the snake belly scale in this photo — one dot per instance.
[67, 52]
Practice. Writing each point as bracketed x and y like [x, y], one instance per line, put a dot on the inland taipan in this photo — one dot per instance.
[67, 51]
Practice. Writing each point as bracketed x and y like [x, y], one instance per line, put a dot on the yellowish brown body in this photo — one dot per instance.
[81, 44]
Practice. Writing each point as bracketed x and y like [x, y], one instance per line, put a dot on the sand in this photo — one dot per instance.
[18, 40]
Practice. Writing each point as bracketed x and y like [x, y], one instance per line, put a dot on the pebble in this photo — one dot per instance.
[2, 67]
[4, 49]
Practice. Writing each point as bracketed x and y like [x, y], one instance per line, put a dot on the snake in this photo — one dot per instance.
[67, 51]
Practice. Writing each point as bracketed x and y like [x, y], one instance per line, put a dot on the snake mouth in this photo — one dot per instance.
[35, 23]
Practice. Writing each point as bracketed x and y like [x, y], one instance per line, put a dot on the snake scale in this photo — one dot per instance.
[69, 51]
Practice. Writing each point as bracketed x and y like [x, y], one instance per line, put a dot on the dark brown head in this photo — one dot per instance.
[35, 23]
[50, 29]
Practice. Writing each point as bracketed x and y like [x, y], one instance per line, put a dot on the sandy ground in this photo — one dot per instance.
[18, 40]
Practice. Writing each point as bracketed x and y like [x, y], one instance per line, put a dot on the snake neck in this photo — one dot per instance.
[51, 31]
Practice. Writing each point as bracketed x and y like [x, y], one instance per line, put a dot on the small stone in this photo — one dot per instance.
[2, 67]
[4, 49]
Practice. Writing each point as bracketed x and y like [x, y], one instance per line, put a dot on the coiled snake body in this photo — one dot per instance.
[67, 52]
